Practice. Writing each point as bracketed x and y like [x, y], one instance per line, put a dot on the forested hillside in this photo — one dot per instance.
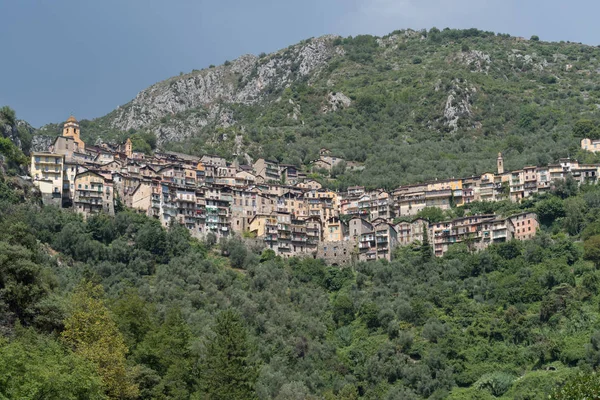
[411, 105]
[119, 308]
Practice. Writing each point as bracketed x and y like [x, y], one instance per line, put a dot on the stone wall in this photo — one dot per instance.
[337, 253]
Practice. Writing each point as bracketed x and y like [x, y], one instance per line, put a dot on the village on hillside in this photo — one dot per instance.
[279, 206]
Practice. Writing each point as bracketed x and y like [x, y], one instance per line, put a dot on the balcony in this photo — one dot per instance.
[271, 238]
[89, 194]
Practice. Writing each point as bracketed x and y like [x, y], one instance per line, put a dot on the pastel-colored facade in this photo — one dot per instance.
[410, 199]
[335, 230]
[479, 231]
[93, 194]
[268, 170]
[592, 145]
[47, 171]
[357, 227]
[410, 232]
[525, 225]
[378, 243]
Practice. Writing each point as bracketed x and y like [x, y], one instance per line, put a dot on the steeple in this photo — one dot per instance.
[128, 148]
[500, 163]
[71, 129]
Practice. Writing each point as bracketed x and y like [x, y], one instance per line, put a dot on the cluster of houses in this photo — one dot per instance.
[277, 205]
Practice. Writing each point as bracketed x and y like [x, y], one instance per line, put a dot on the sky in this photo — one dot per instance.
[84, 57]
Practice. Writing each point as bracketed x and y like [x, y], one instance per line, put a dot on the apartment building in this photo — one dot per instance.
[410, 232]
[47, 171]
[93, 193]
[378, 243]
[479, 231]
[524, 225]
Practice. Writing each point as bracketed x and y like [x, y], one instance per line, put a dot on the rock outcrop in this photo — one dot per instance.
[166, 107]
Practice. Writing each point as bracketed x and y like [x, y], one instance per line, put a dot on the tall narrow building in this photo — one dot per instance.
[128, 148]
[500, 164]
[71, 129]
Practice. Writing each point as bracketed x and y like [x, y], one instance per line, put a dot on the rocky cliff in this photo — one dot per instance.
[246, 80]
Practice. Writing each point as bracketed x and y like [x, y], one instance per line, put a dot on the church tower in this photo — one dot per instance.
[128, 148]
[500, 164]
[71, 129]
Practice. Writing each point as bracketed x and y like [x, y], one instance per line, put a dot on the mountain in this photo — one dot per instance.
[411, 105]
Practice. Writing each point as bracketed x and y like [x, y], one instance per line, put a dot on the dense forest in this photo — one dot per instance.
[120, 308]
[418, 105]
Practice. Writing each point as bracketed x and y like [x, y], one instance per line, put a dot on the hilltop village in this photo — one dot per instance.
[298, 217]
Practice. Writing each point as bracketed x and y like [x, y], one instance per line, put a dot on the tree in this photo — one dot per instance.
[343, 309]
[582, 386]
[432, 214]
[93, 334]
[549, 210]
[23, 284]
[426, 251]
[535, 38]
[574, 220]
[586, 128]
[591, 250]
[566, 187]
[228, 370]
[8, 115]
[166, 350]
[36, 367]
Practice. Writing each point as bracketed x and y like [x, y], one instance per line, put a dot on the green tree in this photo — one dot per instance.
[166, 350]
[426, 250]
[591, 250]
[23, 284]
[574, 220]
[585, 128]
[432, 214]
[34, 367]
[8, 115]
[229, 372]
[582, 386]
[91, 331]
[343, 309]
[549, 210]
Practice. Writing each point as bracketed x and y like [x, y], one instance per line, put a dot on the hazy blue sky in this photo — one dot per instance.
[87, 57]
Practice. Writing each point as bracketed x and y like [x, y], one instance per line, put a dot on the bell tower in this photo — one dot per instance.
[128, 148]
[71, 129]
[500, 162]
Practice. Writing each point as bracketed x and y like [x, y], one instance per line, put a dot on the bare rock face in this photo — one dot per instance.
[165, 107]
[41, 142]
[458, 104]
[10, 131]
[477, 60]
[336, 101]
